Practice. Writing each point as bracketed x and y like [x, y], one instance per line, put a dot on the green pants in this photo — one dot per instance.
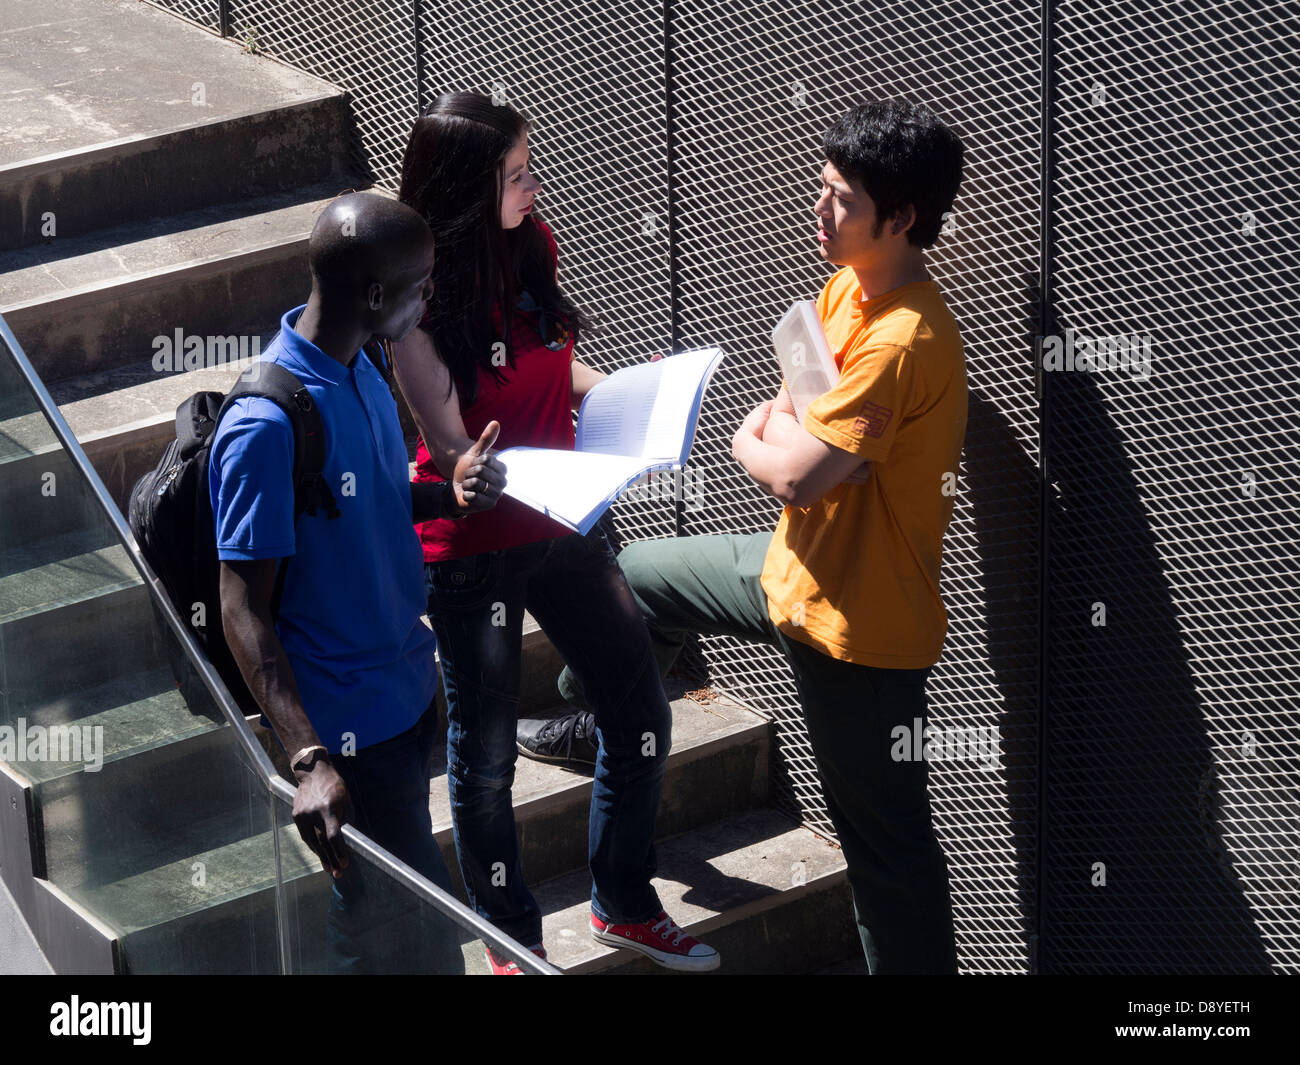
[880, 807]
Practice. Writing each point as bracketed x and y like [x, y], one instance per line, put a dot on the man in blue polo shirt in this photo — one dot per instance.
[345, 672]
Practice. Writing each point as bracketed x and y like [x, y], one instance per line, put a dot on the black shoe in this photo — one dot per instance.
[567, 740]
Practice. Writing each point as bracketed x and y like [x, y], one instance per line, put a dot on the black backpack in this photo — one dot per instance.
[170, 514]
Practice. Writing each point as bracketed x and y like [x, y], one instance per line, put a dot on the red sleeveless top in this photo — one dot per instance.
[534, 404]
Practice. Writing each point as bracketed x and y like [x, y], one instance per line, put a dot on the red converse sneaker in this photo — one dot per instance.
[504, 967]
[660, 940]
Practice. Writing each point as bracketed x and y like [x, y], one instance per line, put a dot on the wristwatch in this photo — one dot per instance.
[308, 757]
[450, 508]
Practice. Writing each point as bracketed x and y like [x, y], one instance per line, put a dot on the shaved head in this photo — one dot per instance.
[361, 239]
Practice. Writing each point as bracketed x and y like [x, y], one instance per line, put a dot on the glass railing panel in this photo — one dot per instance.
[374, 920]
[170, 840]
[150, 814]
[154, 802]
[54, 538]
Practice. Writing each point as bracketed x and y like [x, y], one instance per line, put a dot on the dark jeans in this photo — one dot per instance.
[575, 590]
[880, 807]
[374, 925]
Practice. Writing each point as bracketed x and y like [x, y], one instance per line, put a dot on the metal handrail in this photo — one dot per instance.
[277, 786]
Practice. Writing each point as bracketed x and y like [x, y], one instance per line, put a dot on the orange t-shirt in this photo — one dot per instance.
[856, 575]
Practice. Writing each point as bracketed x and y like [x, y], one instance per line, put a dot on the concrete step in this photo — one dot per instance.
[43, 495]
[132, 713]
[212, 911]
[24, 431]
[97, 641]
[73, 75]
[158, 806]
[119, 253]
[95, 136]
[86, 640]
[19, 557]
[16, 398]
[149, 780]
[35, 586]
[718, 766]
[56, 600]
[217, 281]
[770, 896]
[124, 418]
[172, 919]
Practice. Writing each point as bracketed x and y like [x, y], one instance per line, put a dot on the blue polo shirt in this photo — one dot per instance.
[350, 614]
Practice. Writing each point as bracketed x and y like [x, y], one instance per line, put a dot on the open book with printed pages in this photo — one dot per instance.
[806, 360]
[638, 419]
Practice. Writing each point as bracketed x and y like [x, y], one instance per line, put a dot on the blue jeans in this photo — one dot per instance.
[575, 590]
[374, 926]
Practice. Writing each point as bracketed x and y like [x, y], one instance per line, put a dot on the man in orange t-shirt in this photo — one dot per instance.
[847, 587]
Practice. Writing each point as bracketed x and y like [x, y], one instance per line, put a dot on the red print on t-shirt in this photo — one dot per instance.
[872, 421]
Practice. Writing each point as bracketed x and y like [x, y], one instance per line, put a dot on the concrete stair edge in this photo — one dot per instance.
[112, 290]
[309, 145]
[110, 149]
[569, 785]
[770, 845]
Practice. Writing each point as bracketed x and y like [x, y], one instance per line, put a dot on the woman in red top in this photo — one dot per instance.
[497, 346]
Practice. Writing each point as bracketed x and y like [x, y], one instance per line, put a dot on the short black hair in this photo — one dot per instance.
[362, 237]
[900, 152]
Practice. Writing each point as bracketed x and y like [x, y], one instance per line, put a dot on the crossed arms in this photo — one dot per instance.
[789, 462]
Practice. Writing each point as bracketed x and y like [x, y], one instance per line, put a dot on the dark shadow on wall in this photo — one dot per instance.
[1001, 484]
[1131, 788]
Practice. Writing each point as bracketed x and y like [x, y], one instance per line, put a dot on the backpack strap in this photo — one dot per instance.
[269, 380]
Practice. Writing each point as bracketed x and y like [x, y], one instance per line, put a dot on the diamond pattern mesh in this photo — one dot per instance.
[1172, 729]
[205, 12]
[678, 146]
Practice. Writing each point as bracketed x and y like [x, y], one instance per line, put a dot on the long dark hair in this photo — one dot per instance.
[452, 175]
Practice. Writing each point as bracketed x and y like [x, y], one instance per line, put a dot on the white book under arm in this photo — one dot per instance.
[806, 360]
[638, 419]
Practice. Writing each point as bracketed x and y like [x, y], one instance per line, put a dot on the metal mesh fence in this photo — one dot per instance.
[1174, 649]
[207, 13]
[678, 144]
